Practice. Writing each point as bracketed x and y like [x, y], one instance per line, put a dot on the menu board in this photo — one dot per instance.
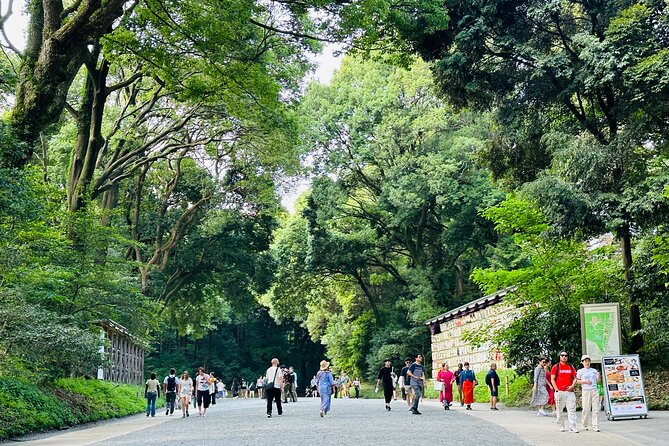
[623, 386]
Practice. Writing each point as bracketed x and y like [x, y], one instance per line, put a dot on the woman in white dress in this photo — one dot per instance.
[185, 394]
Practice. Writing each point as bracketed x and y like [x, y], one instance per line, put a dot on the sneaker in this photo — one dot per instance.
[187, 414]
[542, 413]
[573, 429]
[322, 414]
[147, 414]
[561, 429]
[494, 408]
[388, 408]
[269, 415]
[167, 413]
[597, 429]
[415, 412]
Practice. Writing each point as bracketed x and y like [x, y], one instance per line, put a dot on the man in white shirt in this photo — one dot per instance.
[171, 388]
[274, 379]
[588, 378]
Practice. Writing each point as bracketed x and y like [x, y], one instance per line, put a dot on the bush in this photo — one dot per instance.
[27, 407]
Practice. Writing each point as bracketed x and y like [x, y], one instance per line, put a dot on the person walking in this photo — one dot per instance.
[259, 384]
[202, 394]
[563, 379]
[288, 385]
[385, 377]
[235, 388]
[539, 388]
[416, 373]
[185, 393]
[446, 377]
[212, 388]
[151, 393]
[293, 389]
[356, 386]
[588, 378]
[467, 382]
[170, 388]
[345, 384]
[405, 382]
[314, 387]
[459, 384]
[219, 389]
[549, 387]
[273, 388]
[326, 382]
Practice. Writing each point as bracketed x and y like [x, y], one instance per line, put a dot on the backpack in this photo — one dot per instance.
[171, 383]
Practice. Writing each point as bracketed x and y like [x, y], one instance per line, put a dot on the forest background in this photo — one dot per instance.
[462, 147]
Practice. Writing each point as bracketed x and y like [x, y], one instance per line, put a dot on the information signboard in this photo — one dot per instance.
[600, 330]
[623, 387]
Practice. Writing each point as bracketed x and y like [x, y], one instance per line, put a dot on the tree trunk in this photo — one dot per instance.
[89, 137]
[55, 52]
[634, 314]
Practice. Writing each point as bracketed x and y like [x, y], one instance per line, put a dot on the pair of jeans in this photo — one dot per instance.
[417, 394]
[273, 394]
[151, 403]
[171, 400]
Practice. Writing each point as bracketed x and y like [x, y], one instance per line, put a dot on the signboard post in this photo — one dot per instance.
[623, 387]
[600, 330]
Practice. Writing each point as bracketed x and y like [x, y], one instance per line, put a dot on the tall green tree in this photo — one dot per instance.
[587, 78]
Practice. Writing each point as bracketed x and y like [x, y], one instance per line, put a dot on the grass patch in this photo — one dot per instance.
[27, 407]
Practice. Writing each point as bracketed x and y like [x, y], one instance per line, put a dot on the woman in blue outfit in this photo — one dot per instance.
[325, 383]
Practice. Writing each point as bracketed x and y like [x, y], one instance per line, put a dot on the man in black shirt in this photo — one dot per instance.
[385, 375]
[405, 382]
[492, 380]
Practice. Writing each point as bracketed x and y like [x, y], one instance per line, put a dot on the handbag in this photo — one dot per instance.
[266, 385]
[439, 386]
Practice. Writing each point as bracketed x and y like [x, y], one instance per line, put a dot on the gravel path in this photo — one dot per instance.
[351, 422]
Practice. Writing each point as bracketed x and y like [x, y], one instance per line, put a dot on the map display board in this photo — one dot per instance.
[600, 330]
[623, 386]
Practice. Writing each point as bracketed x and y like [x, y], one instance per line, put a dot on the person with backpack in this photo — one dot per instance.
[170, 388]
[564, 379]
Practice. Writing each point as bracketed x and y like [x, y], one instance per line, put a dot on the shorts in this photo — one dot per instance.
[493, 392]
[408, 390]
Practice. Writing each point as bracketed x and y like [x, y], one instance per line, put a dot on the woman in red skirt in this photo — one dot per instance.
[468, 381]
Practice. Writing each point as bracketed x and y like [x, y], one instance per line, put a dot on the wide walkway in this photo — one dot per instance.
[352, 422]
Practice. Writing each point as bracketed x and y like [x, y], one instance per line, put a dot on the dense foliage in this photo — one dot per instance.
[463, 147]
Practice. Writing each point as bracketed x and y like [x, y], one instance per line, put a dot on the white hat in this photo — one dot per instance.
[584, 357]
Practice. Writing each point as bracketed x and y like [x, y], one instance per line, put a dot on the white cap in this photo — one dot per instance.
[584, 357]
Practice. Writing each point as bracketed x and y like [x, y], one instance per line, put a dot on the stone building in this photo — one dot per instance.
[476, 317]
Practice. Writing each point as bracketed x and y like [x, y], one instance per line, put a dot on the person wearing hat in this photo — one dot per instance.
[588, 378]
[385, 376]
[325, 383]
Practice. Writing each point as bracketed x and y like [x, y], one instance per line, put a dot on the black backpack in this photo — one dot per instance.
[171, 383]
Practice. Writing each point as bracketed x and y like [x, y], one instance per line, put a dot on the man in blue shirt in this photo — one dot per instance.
[416, 373]
[492, 380]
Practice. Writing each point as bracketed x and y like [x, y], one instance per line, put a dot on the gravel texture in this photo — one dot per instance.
[351, 422]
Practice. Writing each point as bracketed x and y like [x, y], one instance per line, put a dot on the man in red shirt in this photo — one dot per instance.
[563, 378]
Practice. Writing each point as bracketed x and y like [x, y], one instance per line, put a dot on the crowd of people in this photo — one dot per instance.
[553, 387]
